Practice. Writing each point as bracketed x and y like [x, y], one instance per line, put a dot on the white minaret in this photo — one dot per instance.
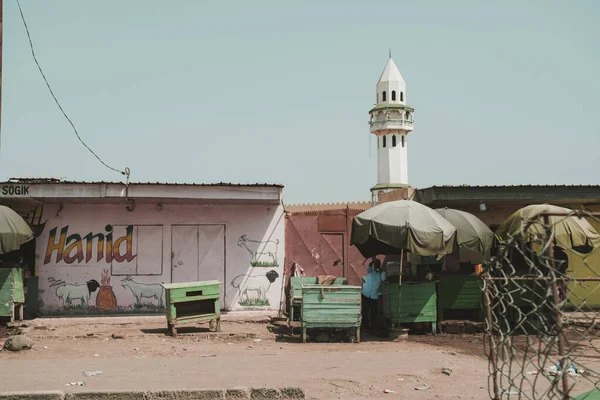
[391, 122]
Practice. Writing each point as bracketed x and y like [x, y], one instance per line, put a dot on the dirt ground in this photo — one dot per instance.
[245, 354]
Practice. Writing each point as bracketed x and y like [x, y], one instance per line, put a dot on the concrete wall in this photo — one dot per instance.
[83, 246]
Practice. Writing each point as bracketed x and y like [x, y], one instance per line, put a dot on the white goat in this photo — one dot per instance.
[254, 283]
[141, 290]
[68, 292]
[258, 249]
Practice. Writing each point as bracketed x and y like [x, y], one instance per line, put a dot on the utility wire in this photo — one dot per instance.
[126, 172]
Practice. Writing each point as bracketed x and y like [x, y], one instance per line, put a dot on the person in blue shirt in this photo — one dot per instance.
[370, 294]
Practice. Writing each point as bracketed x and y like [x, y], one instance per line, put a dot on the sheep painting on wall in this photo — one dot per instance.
[264, 254]
[252, 289]
[68, 293]
[144, 290]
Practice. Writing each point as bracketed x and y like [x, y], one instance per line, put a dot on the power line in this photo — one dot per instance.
[126, 172]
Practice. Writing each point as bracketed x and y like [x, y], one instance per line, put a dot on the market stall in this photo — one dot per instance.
[459, 283]
[534, 227]
[405, 227]
[14, 232]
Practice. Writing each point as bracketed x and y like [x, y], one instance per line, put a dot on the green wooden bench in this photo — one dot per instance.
[459, 292]
[11, 293]
[410, 302]
[295, 295]
[193, 302]
[331, 306]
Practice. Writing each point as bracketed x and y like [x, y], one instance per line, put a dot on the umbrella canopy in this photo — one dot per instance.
[391, 227]
[14, 231]
[473, 234]
[569, 232]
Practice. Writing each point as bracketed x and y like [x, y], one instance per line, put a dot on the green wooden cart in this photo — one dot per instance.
[409, 303]
[11, 293]
[295, 295]
[193, 302]
[331, 306]
[459, 292]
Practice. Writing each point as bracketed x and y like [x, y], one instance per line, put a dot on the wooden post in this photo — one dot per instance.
[557, 313]
[346, 248]
[401, 266]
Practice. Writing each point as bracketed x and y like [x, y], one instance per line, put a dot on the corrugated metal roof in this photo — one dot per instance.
[505, 186]
[509, 193]
[314, 207]
[55, 181]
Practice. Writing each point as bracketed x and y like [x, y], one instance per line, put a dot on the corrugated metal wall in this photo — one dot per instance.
[320, 242]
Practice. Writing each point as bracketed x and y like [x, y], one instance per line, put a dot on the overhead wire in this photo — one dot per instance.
[126, 172]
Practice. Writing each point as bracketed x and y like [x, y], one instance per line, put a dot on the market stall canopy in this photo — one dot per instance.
[389, 228]
[14, 231]
[473, 234]
[570, 232]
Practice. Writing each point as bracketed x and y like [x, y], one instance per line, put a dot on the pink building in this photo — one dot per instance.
[107, 247]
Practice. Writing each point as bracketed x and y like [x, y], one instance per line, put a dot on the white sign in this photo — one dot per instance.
[14, 190]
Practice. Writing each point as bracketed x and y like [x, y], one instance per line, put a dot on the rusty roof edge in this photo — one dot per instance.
[342, 203]
[311, 208]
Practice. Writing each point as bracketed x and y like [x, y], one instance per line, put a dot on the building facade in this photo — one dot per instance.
[108, 247]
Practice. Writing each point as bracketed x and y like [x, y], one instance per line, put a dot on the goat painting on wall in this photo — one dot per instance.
[144, 290]
[258, 285]
[264, 254]
[68, 293]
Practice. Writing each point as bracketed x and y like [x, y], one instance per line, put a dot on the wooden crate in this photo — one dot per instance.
[410, 302]
[11, 293]
[459, 292]
[191, 302]
[331, 306]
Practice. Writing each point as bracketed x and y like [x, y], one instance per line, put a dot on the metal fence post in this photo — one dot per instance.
[557, 312]
[490, 331]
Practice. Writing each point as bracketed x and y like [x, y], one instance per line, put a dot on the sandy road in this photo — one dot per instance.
[148, 359]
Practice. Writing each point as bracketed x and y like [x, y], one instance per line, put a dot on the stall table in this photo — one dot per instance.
[11, 292]
[410, 302]
[459, 292]
[191, 302]
[331, 306]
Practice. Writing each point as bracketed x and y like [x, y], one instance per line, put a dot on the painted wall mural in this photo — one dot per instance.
[106, 299]
[81, 293]
[252, 289]
[77, 257]
[264, 254]
[103, 259]
[144, 290]
[70, 248]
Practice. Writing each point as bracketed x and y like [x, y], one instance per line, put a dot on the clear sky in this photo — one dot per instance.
[278, 91]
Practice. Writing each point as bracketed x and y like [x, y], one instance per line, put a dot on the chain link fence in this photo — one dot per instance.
[542, 309]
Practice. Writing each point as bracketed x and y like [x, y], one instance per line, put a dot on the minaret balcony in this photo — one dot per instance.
[401, 124]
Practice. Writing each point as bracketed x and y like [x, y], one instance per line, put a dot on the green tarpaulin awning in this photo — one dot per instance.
[390, 228]
[14, 231]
